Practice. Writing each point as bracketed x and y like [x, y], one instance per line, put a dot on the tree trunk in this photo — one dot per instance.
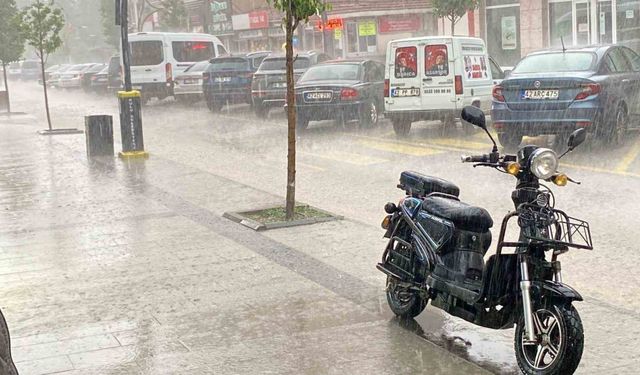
[6, 86]
[453, 24]
[44, 84]
[291, 119]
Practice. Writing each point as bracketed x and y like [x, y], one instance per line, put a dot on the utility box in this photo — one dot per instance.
[99, 132]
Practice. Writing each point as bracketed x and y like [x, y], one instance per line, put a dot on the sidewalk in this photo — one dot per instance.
[114, 268]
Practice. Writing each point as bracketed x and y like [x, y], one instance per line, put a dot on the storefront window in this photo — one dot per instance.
[362, 37]
[503, 31]
[560, 23]
[628, 23]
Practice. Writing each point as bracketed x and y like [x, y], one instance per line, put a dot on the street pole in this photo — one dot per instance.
[129, 99]
[327, 37]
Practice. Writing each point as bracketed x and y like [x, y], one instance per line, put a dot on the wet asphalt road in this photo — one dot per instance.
[353, 173]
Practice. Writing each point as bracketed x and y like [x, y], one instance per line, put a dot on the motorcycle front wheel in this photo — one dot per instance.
[7, 367]
[403, 302]
[559, 342]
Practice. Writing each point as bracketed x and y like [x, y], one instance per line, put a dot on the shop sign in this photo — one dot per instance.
[251, 34]
[220, 17]
[509, 33]
[331, 24]
[400, 24]
[258, 19]
[367, 28]
[629, 13]
[249, 21]
[337, 34]
[276, 32]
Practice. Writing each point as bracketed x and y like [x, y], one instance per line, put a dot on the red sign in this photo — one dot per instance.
[332, 24]
[399, 24]
[258, 19]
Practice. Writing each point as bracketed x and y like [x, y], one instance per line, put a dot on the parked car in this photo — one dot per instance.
[228, 79]
[72, 78]
[557, 91]
[14, 70]
[30, 70]
[100, 81]
[187, 86]
[269, 86]
[343, 90]
[156, 58]
[48, 71]
[54, 75]
[85, 78]
[433, 78]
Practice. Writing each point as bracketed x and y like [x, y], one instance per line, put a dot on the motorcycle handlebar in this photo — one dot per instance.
[475, 158]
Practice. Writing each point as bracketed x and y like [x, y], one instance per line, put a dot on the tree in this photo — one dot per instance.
[41, 24]
[173, 16]
[453, 10]
[11, 40]
[295, 11]
[110, 30]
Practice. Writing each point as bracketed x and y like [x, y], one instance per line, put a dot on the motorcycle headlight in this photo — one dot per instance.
[544, 163]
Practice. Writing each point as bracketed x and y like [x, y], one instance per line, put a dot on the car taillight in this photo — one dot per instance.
[497, 93]
[459, 90]
[588, 90]
[348, 94]
[386, 88]
[169, 72]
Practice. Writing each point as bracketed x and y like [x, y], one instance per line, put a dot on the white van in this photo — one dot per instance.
[433, 78]
[156, 58]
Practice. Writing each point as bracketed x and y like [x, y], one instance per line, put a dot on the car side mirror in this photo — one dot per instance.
[576, 138]
[475, 116]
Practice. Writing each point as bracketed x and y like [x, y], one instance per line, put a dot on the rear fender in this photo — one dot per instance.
[555, 291]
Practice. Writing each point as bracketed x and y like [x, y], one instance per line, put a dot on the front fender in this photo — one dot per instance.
[553, 290]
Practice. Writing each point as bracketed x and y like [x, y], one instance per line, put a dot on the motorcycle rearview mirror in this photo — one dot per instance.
[575, 139]
[476, 117]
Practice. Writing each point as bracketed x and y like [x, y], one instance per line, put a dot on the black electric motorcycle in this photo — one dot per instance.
[437, 245]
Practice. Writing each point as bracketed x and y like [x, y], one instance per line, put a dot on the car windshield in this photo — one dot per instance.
[198, 67]
[96, 68]
[229, 63]
[556, 62]
[332, 72]
[280, 63]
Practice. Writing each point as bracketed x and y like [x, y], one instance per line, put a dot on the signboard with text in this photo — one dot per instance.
[220, 17]
[367, 28]
[390, 24]
[258, 19]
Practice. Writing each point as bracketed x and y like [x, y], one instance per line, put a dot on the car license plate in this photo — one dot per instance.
[400, 93]
[280, 85]
[222, 79]
[539, 94]
[189, 81]
[318, 96]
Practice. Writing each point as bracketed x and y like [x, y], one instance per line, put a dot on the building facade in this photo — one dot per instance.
[513, 28]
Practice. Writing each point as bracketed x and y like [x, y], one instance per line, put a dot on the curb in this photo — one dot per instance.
[127, 155]
[60, 131]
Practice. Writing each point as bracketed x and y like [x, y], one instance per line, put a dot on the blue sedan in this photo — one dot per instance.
[557, 91]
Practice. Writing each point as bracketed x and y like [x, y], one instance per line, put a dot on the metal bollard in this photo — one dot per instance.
[99, 133]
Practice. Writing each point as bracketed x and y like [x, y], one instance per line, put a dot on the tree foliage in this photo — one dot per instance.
[11, 40]
[453, 10]
[41, 24]
[110, 30]
[173, 15]
[301, 10]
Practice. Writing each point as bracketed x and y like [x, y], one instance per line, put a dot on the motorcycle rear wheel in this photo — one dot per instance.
[403, 302]
[7, 367]
[559, 344]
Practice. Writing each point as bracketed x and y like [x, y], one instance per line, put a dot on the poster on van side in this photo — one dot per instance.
[406, 62]
[436, 62]
[475, 67]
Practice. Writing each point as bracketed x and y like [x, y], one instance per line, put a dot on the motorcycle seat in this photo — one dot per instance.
[462, 215]
[421, 185]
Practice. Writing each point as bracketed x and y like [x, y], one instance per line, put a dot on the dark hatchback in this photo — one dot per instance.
[269, 87]
[555, 92]
[342, 90]
[228, 79]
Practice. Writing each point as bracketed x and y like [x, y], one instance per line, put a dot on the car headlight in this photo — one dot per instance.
[544, 163]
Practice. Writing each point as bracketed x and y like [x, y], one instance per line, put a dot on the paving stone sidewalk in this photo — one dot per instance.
[129, 268]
